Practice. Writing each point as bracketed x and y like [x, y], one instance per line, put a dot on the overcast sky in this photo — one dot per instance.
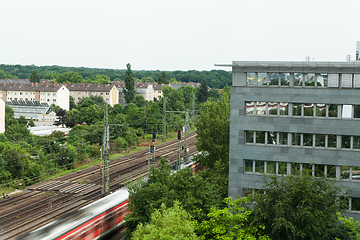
[175, 35]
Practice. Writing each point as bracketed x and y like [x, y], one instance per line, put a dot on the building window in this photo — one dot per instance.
[273, 108]
[107, 93]
[320, 140]
[260, 108]
[250, 108]
[48, 100]
[54, 94]
[248, 166]
[282, 168]
[345, 141]
[249, 136]
[101, 93]
[251, 79]
[54, 100]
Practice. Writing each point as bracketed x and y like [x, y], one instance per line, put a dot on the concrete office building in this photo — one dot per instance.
[288, 116]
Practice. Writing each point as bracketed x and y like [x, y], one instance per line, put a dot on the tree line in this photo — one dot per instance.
[214, 78]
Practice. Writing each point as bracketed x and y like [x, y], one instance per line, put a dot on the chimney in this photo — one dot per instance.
[348, 57]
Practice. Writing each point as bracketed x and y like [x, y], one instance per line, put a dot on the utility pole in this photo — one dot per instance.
[164, 119]
[105, 156]
[178, 158]
[186, 133]
[152, 151]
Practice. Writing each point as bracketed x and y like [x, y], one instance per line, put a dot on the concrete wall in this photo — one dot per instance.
[2, 116]
[63, 98]
[240, 123]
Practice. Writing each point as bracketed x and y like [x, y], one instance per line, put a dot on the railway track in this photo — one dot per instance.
[43, 202]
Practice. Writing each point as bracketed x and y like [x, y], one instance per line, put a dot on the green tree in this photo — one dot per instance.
[213, 93]
[167, 224]
[202, 93]
[102, 79]
[298, 207]
[129, 90]
[61, 117]
[2, 74]
[196, 194]
[229, 223]
[72, 103]
[69, 77]
[213, 127]
[162, 78]
[34, 78]
[351, 227]
[139, 101]
[51, 75]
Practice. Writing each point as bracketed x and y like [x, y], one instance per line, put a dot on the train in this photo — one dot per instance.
[93, 221]
[90, 222]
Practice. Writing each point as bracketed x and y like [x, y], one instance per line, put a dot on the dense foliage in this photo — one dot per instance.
[196, 194]
[299, 207]
[231, 222]
[129, 90]
[213, 78]
[167, 223]
[213, 127]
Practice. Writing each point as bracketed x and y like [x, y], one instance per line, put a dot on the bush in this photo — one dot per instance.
[121, 143]
[131, 138]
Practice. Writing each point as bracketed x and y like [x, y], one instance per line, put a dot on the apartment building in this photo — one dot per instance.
[158, 91]
[289, 116]
[144, 89]
[2, 116]
[50, 93]
[108, 92]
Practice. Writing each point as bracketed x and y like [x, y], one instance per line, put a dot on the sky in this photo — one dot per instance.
[175, 35]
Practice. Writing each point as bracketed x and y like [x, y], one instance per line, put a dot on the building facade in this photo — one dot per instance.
[50, 93]
[108, 92]
[2, 116]
[289, 116]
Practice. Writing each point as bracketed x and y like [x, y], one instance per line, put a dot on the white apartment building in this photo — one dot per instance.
[53, 93]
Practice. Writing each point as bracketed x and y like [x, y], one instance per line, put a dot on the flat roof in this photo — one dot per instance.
[294, 66]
